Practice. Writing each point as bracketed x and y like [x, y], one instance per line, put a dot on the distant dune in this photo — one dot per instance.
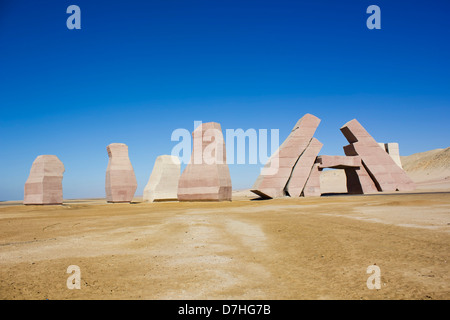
[430, 169]
[427, 161]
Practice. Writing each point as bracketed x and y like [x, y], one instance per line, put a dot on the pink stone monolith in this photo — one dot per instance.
[359, 180]
[44, 184]
[275, 175]
[120, 183]
[393, 150]
[312, 186]
[302, 168]
[206, 176]
[385, 173]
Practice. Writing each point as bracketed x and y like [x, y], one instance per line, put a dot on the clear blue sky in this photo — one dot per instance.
[137, 70]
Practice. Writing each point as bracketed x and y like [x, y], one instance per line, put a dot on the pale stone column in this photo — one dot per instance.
[163, 182]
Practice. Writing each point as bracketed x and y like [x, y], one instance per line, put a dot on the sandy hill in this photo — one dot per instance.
[430, 169]
[429, 160]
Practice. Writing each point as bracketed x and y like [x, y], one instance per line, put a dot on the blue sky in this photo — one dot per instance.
[137, 70]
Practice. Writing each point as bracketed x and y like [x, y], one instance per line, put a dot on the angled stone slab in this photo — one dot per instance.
[274, 177]
[206, 176]
[382, 146]
[312, 186]
[44, 183]
[338, 162]
[393, 150]
[120, 182]
[163, 182]
[385, 173]
[302, 169]
[359, 181]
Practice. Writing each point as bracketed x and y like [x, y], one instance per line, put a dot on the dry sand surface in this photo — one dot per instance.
[305, 248]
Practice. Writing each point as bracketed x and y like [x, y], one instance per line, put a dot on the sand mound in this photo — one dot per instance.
[430, 169]
[429, 160]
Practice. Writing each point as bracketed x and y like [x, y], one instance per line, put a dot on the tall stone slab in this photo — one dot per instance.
[382, 146]
[273, 179]
[359, 182]
[120, 183]
[385, 173]
[338, 162]
[393, 150]
[206, 176]
[163, 182]
[302, 168]
[44, 184]
[312, 186]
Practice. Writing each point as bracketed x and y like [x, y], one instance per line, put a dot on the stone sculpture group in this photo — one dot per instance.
[293, 170]
[369, 166]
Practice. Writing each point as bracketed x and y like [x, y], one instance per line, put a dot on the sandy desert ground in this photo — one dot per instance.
[304, 248]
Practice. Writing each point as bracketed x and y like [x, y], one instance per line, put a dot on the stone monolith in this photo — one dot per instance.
[206, 176]
[302, 168]
[163, 182]
[385, 173]
[120, 184]
[44, 184]
[338, 162]
[312, 185]
[393, 150]
[272, 181]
